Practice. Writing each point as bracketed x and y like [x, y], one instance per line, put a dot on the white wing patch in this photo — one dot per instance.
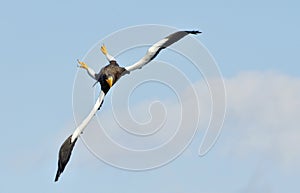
[85, 122]
[148, 57]
[157, 47]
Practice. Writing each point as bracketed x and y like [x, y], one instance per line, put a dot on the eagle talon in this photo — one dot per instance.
[82, 64]
[103, 49]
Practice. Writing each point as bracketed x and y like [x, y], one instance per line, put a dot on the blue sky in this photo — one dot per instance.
[255, 43]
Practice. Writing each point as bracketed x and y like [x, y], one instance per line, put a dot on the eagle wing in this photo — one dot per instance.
[66, 148]
[154, 50]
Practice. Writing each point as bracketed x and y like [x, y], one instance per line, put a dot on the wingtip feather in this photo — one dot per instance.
[195, 32]
[64, 156]
[57, 176]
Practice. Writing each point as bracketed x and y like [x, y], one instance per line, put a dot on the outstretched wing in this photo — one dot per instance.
[66, 148]
[85, 122]
[157, 47]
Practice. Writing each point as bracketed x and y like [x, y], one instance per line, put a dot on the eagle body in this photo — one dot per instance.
[112, 70]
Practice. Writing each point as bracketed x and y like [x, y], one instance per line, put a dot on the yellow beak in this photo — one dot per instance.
[109, 81]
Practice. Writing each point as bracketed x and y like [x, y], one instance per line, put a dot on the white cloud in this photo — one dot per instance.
[263, 116]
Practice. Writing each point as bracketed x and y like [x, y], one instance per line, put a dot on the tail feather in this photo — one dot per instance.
[65, 152]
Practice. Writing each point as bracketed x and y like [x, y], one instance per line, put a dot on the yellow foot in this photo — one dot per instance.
[82, 64]
[103, 49]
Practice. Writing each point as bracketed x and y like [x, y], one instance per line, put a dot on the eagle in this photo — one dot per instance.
[107, 77]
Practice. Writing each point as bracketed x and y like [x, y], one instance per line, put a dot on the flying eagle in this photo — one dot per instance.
[107, 77]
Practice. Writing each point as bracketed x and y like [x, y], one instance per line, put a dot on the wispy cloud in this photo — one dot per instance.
[261, 119]
[263, 116]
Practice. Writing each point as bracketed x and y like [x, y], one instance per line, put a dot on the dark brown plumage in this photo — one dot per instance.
[65, 152]
[112, 70]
